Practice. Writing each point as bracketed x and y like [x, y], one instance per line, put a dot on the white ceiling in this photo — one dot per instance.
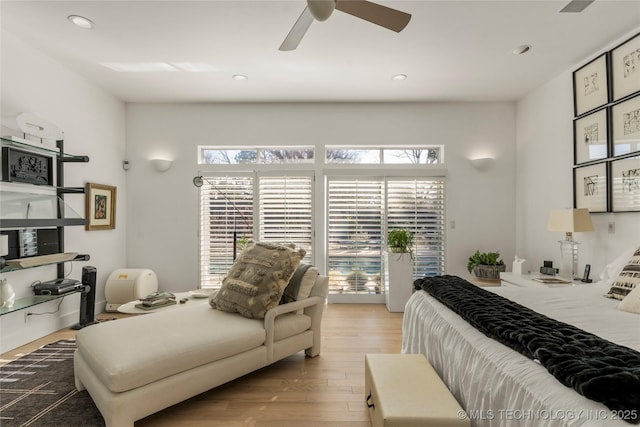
[451, 50]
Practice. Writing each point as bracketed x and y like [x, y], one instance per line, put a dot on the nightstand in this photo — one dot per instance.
[526, 281]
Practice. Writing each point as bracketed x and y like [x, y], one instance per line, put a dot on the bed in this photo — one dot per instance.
[498, 386]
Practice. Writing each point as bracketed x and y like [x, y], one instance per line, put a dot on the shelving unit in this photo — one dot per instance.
[17, 202]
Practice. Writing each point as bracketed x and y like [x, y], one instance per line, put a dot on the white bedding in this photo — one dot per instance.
[498, 386]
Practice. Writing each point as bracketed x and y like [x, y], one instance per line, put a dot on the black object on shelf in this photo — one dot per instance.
[88, 298]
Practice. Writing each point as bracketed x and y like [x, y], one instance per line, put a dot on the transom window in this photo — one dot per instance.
[254, 155]
[384, 155]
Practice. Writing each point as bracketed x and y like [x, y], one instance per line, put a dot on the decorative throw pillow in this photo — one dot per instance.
[628, 279]
[611, 270]
[257, 279]
[301, 283]
[631, 302]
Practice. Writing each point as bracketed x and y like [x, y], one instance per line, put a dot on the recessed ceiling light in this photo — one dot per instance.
[239, 77]
[399, 77]
[521, 49]
[81, 21]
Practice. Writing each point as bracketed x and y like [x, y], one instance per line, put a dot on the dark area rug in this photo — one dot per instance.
[38, 390]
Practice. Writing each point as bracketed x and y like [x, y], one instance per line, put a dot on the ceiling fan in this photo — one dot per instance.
[321, 10]
[576, 6]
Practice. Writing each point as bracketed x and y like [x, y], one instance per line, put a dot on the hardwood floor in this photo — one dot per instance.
[327, 390]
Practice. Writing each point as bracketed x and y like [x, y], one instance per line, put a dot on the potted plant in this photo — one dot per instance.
[400, 241]
[486, 265]
[398, 269]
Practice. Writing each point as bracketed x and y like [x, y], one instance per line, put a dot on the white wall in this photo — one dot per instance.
[94, 125]
[162, 207]
[544, 180]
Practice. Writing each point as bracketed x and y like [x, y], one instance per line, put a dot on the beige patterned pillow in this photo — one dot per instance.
[628, 279]
[631, 303]
[257, 279]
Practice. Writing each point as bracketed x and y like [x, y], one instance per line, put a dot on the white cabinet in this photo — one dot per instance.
[398, 280]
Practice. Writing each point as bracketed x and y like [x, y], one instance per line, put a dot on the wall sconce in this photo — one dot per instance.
[483, 163]
[161, 165]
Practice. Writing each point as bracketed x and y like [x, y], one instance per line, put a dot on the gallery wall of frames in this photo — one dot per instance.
[606, 131]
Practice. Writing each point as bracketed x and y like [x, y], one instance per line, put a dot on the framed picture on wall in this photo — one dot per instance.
[590, 137]
[625, 124]
[625, 184]
[100, 207]
[590, 86]
[625, 68]
[590, 187]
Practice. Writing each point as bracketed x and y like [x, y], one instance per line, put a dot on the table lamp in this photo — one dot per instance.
[569, 221]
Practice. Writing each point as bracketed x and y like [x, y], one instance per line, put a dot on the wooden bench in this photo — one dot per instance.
[404, 390]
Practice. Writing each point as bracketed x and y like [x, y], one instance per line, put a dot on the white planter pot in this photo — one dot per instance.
[398, 280]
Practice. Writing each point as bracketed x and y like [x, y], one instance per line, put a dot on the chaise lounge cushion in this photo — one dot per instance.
[204, 336]
[257, 279]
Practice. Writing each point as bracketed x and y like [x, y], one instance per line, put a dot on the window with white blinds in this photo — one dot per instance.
[360, 213]
[226, 214]
[354, 235]
[418, 206]
[284, 212]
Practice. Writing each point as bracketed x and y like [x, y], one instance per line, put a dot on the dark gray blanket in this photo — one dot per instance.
[596, 368]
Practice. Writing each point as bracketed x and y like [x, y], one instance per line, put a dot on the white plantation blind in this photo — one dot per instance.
[286, 211]
[360, 214]
[418, 205]
[355, 227]
[226, 205]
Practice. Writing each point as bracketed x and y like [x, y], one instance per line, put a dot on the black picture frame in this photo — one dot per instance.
[625, 184]
[27, 167]
[625, 127]
[591, 137]
[625, 68]
[591, 187]
[591, 85]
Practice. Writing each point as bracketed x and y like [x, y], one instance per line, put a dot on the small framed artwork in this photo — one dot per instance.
[625, 124]
[590, 86]
[590, 187]
[625, 68]
[590, 137]
[625, 185]
[100, 207]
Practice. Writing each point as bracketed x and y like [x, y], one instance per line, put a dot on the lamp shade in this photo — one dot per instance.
[570, 220]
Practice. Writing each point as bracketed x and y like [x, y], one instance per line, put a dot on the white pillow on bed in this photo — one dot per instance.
[631, 302]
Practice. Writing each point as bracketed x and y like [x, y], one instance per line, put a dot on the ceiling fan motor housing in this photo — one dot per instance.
[321, 9]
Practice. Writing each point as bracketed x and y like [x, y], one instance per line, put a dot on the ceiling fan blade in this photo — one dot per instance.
[376, 13]
[298, 31]
[576, 6]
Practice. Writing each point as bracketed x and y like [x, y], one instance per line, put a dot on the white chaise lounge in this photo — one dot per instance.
[137, 366]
